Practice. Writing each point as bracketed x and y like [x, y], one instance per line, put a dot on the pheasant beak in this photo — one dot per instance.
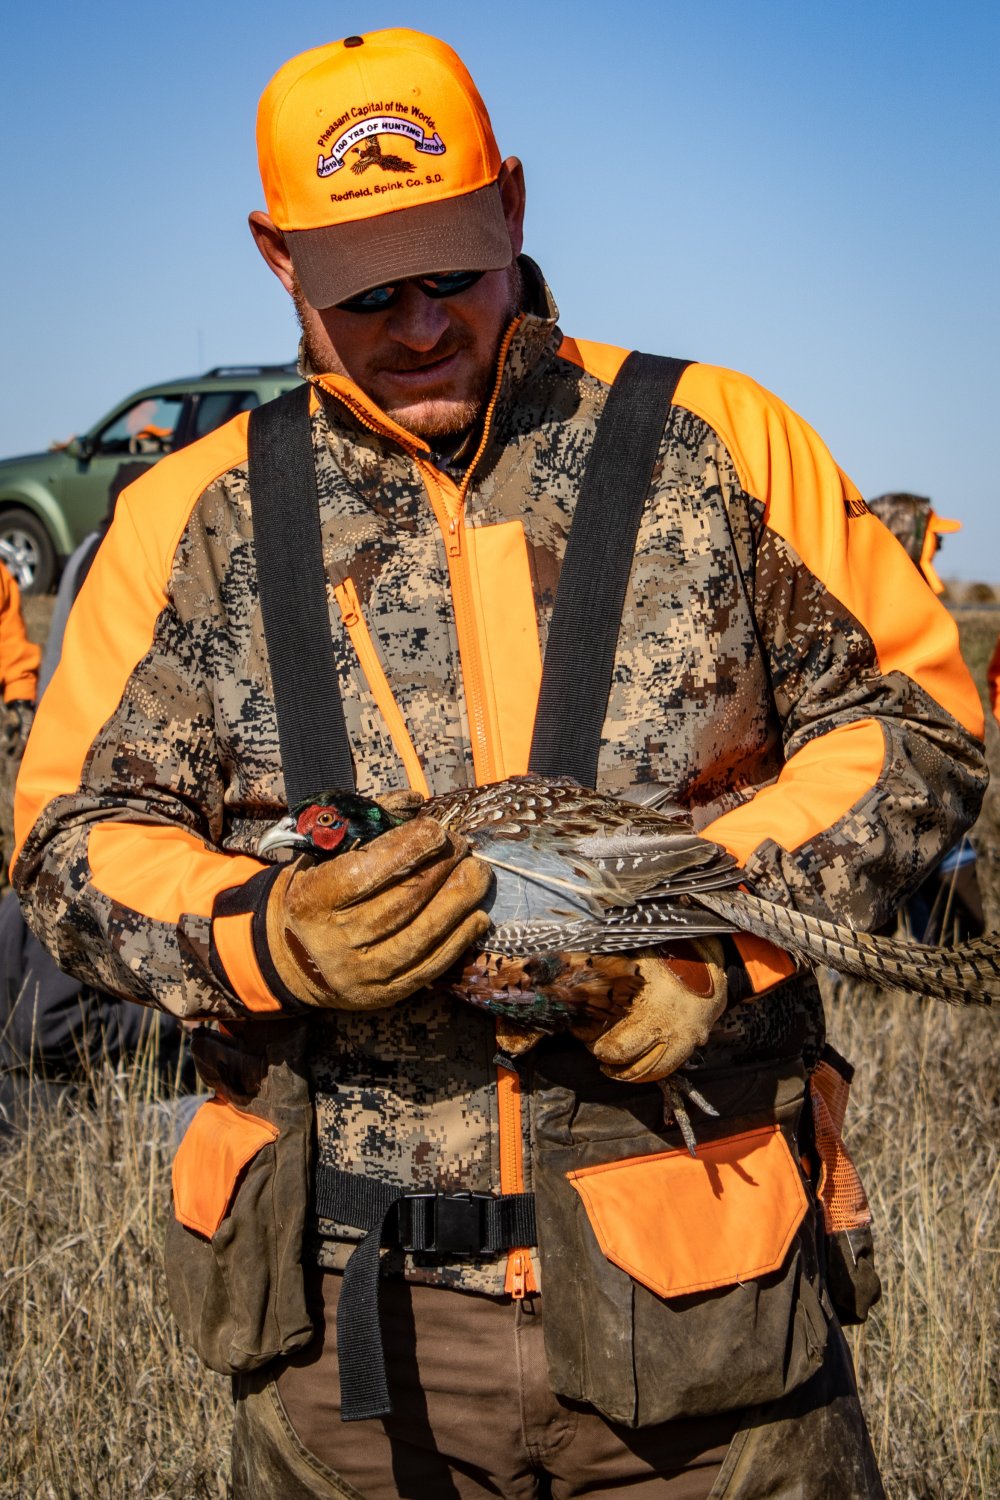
[281, 835]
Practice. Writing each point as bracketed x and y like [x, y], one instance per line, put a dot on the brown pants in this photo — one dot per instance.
[473, 1415]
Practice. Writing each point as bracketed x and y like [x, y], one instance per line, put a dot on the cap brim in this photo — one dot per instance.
[942, 525]
[467, 233]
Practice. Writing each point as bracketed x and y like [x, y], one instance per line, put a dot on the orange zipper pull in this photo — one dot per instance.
[517, 1275]
[350, 605]
[454, 538]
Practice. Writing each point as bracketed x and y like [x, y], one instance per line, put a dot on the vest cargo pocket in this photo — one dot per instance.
[220, 1141]
[681, 1224]
[234, 1245]
[676, 1286]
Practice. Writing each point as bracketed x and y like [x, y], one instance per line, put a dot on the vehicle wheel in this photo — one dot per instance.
[27, 550]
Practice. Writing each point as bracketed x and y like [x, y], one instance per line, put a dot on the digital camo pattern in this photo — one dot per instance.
[731, 655]
[409, 1096]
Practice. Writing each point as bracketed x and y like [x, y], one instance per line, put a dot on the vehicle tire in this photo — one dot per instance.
[27, 550]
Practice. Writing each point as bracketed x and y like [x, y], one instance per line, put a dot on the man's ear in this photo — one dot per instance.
[511, 184]
[271, 243]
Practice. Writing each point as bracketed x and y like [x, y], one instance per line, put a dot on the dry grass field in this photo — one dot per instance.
[98, 1401]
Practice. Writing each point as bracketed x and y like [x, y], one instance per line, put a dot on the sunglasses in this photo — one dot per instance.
[380, 298]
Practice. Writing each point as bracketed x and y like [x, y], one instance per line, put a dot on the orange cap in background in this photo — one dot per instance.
[937, 526]
[378, 162]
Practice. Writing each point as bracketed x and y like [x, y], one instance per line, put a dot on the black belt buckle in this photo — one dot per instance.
[454, 1224]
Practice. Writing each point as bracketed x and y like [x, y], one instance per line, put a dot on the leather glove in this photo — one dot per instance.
[514, 1040]
[369, 927]
[683, 996]
[18, 718]
[403, 803]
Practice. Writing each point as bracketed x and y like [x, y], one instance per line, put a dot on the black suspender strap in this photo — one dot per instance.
[583, 634]
[315, 751]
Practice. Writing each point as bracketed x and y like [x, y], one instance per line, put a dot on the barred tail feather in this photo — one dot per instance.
[969, 975]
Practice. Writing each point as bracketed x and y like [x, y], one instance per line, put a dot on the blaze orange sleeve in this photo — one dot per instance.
[878, 711]
[148, 864]
[19, 657]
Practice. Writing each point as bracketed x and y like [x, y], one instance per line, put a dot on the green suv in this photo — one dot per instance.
[50, 501]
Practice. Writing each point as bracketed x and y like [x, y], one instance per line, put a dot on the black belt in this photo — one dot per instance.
[456, 1225]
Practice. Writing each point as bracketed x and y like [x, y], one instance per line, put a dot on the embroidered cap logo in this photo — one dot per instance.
[370, 154]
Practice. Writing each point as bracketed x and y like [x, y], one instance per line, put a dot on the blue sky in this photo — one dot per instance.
[804, 191]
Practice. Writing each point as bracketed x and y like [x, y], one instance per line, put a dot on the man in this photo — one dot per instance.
[777, 671]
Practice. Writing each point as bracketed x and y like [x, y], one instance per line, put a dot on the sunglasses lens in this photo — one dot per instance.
[449, 284]
[378, 298]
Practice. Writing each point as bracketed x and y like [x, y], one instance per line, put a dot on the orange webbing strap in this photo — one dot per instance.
[840, 1189]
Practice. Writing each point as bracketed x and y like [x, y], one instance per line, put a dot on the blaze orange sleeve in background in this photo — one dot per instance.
[19, 657]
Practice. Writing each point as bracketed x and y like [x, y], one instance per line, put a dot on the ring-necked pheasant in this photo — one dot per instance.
[583, 879]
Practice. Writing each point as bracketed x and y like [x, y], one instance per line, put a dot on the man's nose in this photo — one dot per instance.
[417, 321]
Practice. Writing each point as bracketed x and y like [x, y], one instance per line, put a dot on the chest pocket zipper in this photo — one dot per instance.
[371, 667]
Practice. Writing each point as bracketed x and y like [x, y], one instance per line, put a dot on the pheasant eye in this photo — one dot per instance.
[325, 819]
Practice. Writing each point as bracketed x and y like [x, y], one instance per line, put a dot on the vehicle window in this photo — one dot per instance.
[212, 408]
[146, 428]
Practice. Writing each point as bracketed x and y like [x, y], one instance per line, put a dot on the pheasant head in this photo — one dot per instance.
[328, 824]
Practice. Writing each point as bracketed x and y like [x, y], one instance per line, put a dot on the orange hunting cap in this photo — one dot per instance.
[937, 527]
[378, 162]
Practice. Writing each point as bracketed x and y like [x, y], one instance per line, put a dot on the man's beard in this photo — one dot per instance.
[434, 419]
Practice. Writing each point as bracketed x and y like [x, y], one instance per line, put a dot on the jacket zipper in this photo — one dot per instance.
[520, 1277]
[371, 667]
[448, 503]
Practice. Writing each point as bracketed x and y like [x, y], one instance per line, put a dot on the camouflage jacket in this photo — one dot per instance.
[781, 670]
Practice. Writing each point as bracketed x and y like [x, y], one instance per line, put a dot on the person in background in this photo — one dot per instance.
[915, 523]
[19, 659]
[19, 662]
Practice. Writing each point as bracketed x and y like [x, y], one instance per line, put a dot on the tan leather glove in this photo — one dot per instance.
[514, 1040]
[367, 928]
[683, 996]
[403, 803]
